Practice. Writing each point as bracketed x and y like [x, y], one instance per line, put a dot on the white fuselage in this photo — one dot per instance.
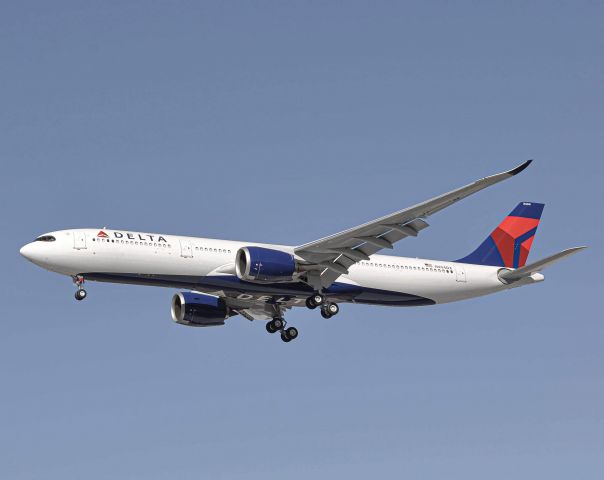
[207, 265]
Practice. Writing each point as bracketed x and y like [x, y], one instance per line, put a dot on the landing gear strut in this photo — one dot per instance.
[80, 293]
[278, 324]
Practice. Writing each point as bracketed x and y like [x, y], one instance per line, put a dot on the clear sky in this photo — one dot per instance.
[284, 122]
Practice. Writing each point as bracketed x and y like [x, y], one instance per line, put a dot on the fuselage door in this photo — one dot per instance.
[460, 273]
[185, 249]
[79, 240]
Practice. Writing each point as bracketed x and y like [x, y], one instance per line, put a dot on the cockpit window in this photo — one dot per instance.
[46, 238]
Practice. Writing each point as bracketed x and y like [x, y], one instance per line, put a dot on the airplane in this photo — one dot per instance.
[223, 278]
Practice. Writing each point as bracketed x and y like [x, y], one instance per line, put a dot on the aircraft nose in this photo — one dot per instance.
[26, 251]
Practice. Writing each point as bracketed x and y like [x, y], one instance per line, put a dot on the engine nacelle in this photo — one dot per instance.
[199, 310]
[257, 264]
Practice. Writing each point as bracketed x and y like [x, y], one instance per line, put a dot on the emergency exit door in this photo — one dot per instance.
[460, 273]
[185, 249]
[79, 240]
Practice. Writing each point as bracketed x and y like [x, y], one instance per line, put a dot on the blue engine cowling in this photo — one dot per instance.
[199, 310]
[257, 264]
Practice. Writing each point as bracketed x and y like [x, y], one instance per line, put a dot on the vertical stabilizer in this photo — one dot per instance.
[510, 243]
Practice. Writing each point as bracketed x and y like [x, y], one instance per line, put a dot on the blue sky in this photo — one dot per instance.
[284, 122]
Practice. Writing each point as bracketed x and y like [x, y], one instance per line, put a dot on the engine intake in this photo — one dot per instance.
[257, 264]
[199, 310]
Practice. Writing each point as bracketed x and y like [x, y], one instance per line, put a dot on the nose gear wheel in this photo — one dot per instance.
[80, 293]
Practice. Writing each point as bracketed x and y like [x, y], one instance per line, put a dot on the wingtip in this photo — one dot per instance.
[519, 168]
[573, 250]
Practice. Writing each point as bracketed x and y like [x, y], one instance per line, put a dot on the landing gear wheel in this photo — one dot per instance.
[277, 323]
[332, 308]
[318, 299]
[315, 300]
[310, 304]
[80, 294]
[325, 313]
[289, 334]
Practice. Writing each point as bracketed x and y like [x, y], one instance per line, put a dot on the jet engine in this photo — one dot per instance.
[257, 264]
[199, 310]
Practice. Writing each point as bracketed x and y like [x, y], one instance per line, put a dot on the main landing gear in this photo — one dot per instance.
[278, 324]
[80, 293]
[315, 300]
[328, 309]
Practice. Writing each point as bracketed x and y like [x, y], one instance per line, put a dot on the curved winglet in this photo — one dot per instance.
[519, 168]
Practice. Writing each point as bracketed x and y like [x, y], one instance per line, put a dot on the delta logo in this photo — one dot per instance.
[132, 236]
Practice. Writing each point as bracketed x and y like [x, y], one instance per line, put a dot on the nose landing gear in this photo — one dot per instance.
[80, 293]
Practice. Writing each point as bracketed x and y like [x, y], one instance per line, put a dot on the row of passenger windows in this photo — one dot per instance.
[438, 269]
[155, 244]
[133, 242]
[217, 250]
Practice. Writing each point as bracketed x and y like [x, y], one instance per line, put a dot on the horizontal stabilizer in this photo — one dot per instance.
[509, 276]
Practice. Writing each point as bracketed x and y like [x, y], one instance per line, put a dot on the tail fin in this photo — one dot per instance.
[510, 243]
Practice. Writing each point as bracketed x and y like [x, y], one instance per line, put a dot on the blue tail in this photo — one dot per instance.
[510, 243]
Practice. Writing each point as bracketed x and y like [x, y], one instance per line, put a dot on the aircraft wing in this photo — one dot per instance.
[333, 255]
